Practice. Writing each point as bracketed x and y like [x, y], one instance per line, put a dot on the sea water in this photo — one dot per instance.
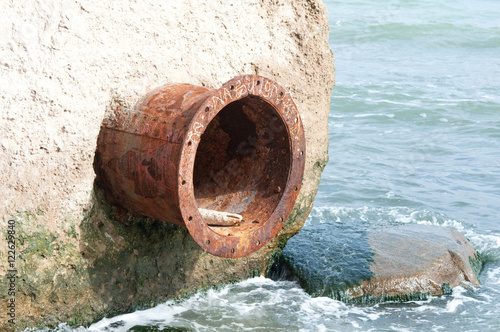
[414, 139]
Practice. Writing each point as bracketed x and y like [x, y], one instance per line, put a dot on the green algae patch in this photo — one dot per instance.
[51, 272]
[329, 264]
[371, 300]
[446, 289]
[476, 262]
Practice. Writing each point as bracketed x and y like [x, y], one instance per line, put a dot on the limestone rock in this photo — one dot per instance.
[368, 266]
[62, 64]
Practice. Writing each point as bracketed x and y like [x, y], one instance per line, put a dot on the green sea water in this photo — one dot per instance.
[414, 139]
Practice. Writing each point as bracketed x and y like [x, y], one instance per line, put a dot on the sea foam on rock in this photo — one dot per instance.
[402, 263]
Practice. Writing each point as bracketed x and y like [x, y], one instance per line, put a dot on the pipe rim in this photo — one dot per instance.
[233, 90]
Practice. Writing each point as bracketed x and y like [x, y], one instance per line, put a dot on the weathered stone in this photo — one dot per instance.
[62, 65]
[414, 261]
[403, 263]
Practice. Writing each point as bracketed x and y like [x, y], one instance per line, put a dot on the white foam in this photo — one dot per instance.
[482, 242]
[453, 304]
[351, 96]
[459, 298]
[390, 115]
[166, 311]
[399, 328]
[493, 240]
[425, 305]
[323, 309]
[315, 305]
[494, 276]
[407, 103]
[399, 215]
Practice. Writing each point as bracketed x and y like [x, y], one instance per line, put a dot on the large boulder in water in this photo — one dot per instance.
[401, 263]
[413, 261]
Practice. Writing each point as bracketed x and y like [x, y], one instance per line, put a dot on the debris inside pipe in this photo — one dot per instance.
[217, 218]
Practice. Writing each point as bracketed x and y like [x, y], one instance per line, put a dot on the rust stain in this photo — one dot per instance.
[237, 149]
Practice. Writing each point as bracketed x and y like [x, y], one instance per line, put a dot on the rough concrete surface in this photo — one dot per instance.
[62, 64]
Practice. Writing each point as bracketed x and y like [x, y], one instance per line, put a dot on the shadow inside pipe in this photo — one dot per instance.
[243, 162]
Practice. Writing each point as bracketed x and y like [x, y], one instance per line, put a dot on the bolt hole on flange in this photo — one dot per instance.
[221, 162]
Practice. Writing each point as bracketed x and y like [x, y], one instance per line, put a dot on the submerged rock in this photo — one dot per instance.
[402, 263]
[414, 261]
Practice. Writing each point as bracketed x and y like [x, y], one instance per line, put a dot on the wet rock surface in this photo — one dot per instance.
[401, 263]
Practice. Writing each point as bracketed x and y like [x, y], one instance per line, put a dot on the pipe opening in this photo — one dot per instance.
[242, 164]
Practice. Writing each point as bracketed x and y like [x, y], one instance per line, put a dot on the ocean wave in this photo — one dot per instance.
[374, 216]
[493, 275]
[440, 33]
[254, 304]
[263, 304]
[379, 217]
[388, 115]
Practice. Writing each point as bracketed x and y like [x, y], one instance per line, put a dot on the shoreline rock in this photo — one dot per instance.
[402, 263]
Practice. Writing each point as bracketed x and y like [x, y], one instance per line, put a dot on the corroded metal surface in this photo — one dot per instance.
[237, 149]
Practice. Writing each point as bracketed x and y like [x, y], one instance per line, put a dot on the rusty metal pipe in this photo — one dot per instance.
[237, 149]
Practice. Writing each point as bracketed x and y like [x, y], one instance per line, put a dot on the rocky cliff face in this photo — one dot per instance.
[62, 64]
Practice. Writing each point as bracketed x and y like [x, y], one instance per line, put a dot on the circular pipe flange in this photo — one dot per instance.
[238, 244]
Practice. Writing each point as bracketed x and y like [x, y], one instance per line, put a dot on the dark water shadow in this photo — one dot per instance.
[326, 259]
